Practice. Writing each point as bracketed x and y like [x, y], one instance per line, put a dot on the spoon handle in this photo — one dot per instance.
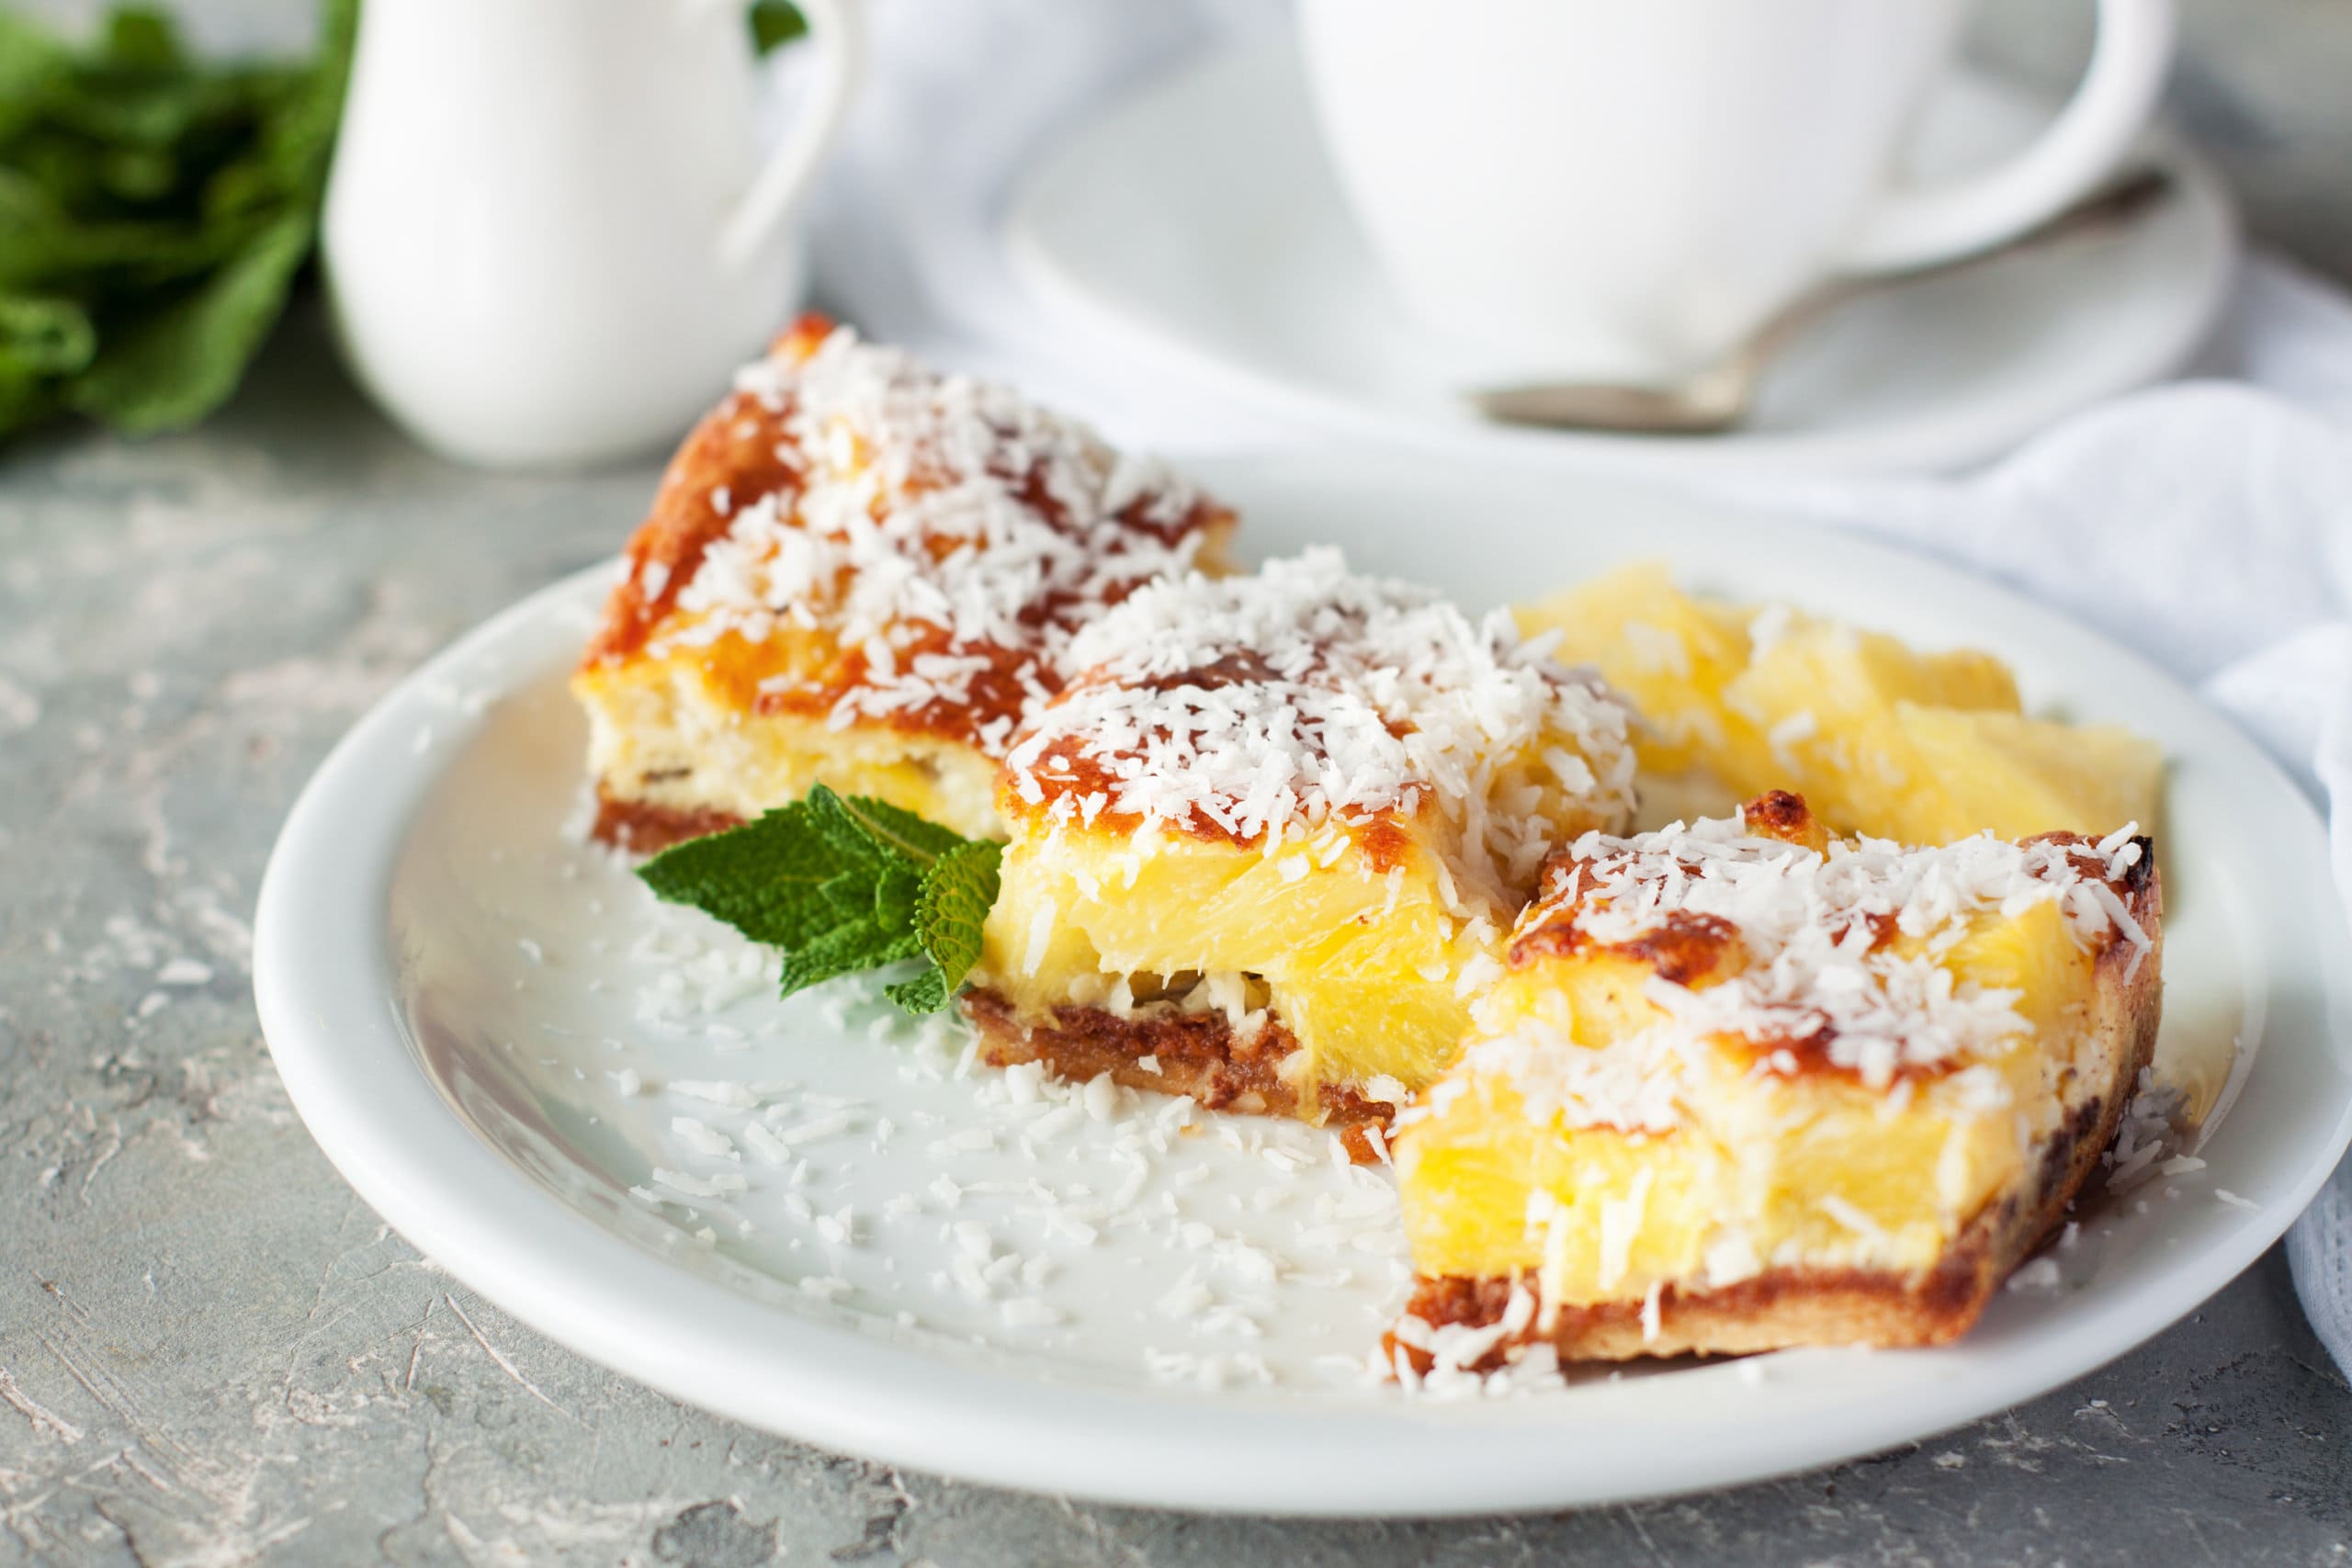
[1717, 398]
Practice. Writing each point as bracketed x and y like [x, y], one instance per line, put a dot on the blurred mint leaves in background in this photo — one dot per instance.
[776, 22]
[155, 209]
[154, 212]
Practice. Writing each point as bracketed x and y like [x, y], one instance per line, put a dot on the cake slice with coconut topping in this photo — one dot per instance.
[1266, 843]
[1745, 1086]
[860, 573]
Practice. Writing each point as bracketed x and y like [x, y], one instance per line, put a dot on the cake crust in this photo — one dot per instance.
[645, 827]
[1198, 1055]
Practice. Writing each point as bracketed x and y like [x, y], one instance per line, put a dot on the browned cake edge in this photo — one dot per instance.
[642, 828]
[1198, 1055]
[1785, 1306]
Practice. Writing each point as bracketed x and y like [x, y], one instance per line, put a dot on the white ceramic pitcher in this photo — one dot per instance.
[549, 234]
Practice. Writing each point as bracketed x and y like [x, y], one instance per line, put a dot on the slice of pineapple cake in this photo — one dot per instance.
[860, 573]
[1745, 1087]
[1265, 845]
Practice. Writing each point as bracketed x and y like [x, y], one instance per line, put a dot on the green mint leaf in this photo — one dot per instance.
[776, 22]
[183, 361]
[843, 884]
[895, 896]
[35, 65]
[956, 894]
[49, 337]
[885, 826]
[850, 949]
[139, 39]
[778, 880]
[927, 992]
[957, 897]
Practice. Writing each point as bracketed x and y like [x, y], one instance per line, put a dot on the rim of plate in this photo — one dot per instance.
[325, 987]
[1939, 440]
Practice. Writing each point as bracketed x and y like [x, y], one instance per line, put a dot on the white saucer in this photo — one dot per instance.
[495, 1033]
[1198, 224]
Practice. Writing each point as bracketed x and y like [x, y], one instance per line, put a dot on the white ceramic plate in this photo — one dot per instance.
[1197, 225]
[456, 992]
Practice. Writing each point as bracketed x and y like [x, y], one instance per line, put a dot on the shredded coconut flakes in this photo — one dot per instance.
[1264, 708]
[944, 531]
[1813, 974]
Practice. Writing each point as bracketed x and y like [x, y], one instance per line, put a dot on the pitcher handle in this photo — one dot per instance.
[838, 30]
[1913, 228]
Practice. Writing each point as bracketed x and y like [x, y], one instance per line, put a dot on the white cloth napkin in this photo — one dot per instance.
[2207, 521]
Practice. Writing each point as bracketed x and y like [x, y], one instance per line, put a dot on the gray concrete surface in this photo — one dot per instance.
[212, 1353]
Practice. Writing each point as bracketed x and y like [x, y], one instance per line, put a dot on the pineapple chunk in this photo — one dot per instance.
[1920, 747]
[1364, 972]
[1671, 654]
[1721, 1056]
[2019, 776]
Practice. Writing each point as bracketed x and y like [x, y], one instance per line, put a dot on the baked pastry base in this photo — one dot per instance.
[641, 828]
[1196, 1054]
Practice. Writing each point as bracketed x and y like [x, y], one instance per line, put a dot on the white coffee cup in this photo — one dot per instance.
[1628, 188]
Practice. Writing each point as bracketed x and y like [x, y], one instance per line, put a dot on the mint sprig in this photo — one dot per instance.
[843, 884]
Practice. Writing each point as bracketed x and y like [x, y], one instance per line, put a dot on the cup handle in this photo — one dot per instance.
[838, 29]
[1913, 228]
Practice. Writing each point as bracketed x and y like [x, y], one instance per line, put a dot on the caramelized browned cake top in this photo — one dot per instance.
[1244, 708]
[853, 536]
[1824, 958]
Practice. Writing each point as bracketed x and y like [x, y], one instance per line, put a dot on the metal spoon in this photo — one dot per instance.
[1718, 396]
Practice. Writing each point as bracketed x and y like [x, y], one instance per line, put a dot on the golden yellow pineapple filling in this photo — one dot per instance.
[1310, 801]
[1718, 1052]
[1363, 967]
[1920, 747]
